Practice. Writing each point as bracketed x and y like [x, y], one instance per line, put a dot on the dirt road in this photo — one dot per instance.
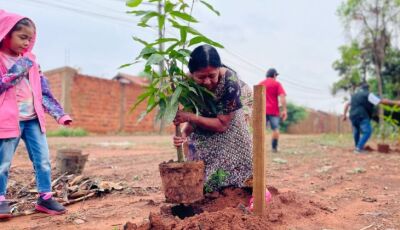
[359, 191]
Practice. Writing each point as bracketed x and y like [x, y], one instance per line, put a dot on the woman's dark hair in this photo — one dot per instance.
[23, 22]
[202, 57]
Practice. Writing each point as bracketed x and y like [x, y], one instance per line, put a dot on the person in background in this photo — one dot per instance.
[361, 106]
[275, 94]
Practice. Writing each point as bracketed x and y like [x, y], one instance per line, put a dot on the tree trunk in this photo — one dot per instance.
[179, 150]
[380, 90]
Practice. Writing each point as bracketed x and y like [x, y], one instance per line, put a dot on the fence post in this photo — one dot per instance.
[259, 150]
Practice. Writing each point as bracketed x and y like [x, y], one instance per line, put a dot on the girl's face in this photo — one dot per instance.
[18, 41]
[207, 77]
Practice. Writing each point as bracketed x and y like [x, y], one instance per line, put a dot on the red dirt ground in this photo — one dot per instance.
[322, 185]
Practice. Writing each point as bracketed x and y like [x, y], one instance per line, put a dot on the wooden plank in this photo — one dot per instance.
[259, 150]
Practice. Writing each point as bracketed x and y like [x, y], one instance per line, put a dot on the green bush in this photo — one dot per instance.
[388, 128]
[294, 114]
[68, 132]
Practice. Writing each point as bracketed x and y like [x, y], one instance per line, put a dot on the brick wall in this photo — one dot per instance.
[55, 81]
[98, 105]
[102, 106]
[319, 122]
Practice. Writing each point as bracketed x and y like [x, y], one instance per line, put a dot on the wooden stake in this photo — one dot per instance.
[259, 151]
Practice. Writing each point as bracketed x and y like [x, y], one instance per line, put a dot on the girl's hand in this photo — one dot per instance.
[182, 117]
[178, 141]
[67, 122]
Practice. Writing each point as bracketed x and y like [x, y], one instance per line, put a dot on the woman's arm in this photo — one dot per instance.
[219, 124]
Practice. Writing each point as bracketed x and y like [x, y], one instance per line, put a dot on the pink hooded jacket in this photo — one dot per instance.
[9, 112]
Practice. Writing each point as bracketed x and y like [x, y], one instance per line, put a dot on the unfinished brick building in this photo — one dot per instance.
[99, 105]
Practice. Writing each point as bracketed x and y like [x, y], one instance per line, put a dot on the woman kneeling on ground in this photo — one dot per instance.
[219, 138]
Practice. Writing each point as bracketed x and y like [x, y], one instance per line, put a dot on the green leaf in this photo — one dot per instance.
[140, 40]
[184, 16]
[133, 3]
[162, 104]
[174, 54]
[210, 7]
[170, 112]
[173, 70]
[193, 31]
[178, 56]
[197, 111]
[137, 12]
[200, 39]
[147, 17]
[185, 52]
[147, 51]
[127, 64]
[161, 22]
[151, 103]
[169, 49]
[193, 90]
[155, 59]
[176, 94]
[188, 29]
[141, 24]
[183, 32]
[183, 6]
[164, 40]
[169, 6]
[175, 23]
[140, 99]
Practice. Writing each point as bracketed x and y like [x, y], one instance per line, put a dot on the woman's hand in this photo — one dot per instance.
[182, 117]
[179, 141]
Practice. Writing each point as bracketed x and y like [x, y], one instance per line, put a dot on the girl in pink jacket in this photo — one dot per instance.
[24, 98]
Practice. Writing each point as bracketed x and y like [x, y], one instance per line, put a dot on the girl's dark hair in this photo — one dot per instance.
[23, 22]
[202, 57]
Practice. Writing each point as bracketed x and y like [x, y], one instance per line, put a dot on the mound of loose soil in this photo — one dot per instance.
[228, 210]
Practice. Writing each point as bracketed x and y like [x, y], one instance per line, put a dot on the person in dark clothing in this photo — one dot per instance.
[361, 106]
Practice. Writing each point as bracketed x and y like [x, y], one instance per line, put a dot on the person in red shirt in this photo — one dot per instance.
[274, 94]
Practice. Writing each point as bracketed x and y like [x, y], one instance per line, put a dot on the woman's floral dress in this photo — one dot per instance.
[230, 151]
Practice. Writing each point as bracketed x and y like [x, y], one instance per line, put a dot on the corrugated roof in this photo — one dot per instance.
[126, 78]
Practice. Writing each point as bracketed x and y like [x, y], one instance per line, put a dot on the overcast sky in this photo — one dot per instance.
[300, 38]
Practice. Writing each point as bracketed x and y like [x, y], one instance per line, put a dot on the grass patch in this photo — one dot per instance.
[67, 132]
[333, 140]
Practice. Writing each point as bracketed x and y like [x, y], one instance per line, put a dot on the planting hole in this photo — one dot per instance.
[183, 211]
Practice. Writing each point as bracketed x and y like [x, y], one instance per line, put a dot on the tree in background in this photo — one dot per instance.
[373, 22]
[391, 74]
[294, 114]
[349, 67]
